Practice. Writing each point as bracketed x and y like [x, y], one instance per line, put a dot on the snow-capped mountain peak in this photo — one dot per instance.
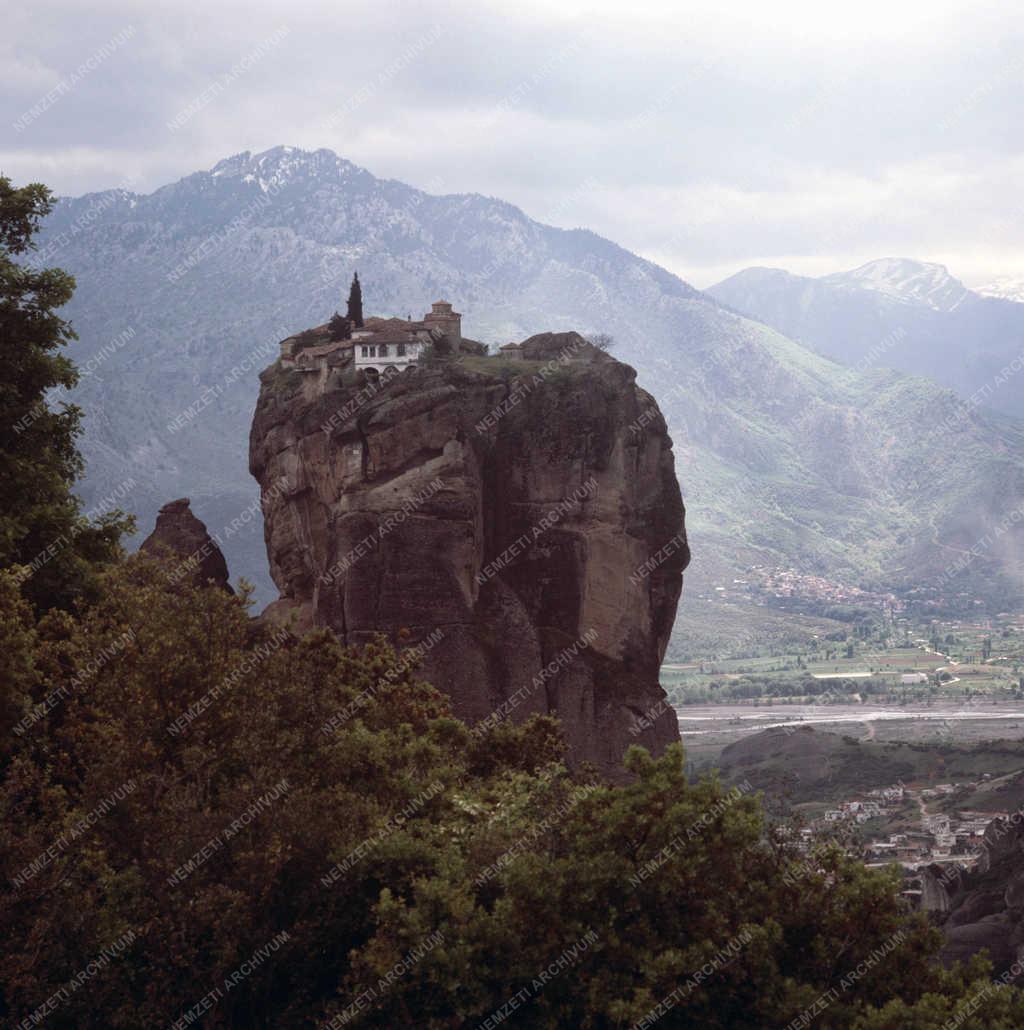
[921, 283]
[1004, 288]
[282, 165]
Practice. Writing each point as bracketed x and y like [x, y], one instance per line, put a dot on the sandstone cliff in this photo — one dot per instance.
[982, 907]
[521, 518]
[178, 531]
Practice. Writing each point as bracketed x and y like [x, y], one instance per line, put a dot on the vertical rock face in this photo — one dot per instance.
[519, 518]
[984, 906]
[180, 532]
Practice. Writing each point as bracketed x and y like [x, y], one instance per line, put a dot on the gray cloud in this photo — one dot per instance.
[798, 134]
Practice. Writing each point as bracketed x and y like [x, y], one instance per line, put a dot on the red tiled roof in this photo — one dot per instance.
[324, 348]
[387, 336]
[378, 324]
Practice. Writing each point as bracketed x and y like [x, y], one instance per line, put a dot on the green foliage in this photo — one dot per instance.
[499, 365]
[340, 327]
[41, 526]
[18, 642]
[408, 872]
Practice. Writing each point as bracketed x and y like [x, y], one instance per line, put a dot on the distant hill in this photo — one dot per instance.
[917, 283]
[807, 764]
[785, 457]
[897, 313]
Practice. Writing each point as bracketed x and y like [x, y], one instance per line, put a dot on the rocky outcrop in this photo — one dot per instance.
[982, 907]
[178, 531]
[520, 519]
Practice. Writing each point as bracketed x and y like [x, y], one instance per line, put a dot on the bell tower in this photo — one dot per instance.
[443, 322]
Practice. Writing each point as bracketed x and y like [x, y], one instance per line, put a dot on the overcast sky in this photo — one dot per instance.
[806, 135]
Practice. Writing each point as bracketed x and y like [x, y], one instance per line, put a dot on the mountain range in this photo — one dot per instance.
[789, 455]
[908, 315]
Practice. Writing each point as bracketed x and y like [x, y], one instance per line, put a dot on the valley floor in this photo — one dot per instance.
[912, 784]
[706, 729]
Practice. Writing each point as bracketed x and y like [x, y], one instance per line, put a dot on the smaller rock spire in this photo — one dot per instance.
[180, 533]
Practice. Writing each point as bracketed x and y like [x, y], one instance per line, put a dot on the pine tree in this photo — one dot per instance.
[355, 303]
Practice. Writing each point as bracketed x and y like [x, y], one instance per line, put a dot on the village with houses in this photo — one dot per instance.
[926, 838]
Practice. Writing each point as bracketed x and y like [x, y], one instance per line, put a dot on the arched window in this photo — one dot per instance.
[383, 350]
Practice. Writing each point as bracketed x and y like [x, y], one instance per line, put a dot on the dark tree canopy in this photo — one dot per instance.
[208, 796]
[355, 303]
[41, 525]
[340, 327]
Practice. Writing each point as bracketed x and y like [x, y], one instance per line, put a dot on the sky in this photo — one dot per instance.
[705, 136]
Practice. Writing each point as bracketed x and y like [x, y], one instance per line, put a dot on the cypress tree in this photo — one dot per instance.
[355, 303]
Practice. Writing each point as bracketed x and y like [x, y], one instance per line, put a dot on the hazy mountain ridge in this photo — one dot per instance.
[922, 283]
[784, 456]
[909, 315]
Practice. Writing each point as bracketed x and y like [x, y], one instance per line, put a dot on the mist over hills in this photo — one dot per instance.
[786, 458]
[909, 315]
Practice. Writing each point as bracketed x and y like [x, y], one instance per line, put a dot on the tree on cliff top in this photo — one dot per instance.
[41, 527]
[340, 327]
[355, 303]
